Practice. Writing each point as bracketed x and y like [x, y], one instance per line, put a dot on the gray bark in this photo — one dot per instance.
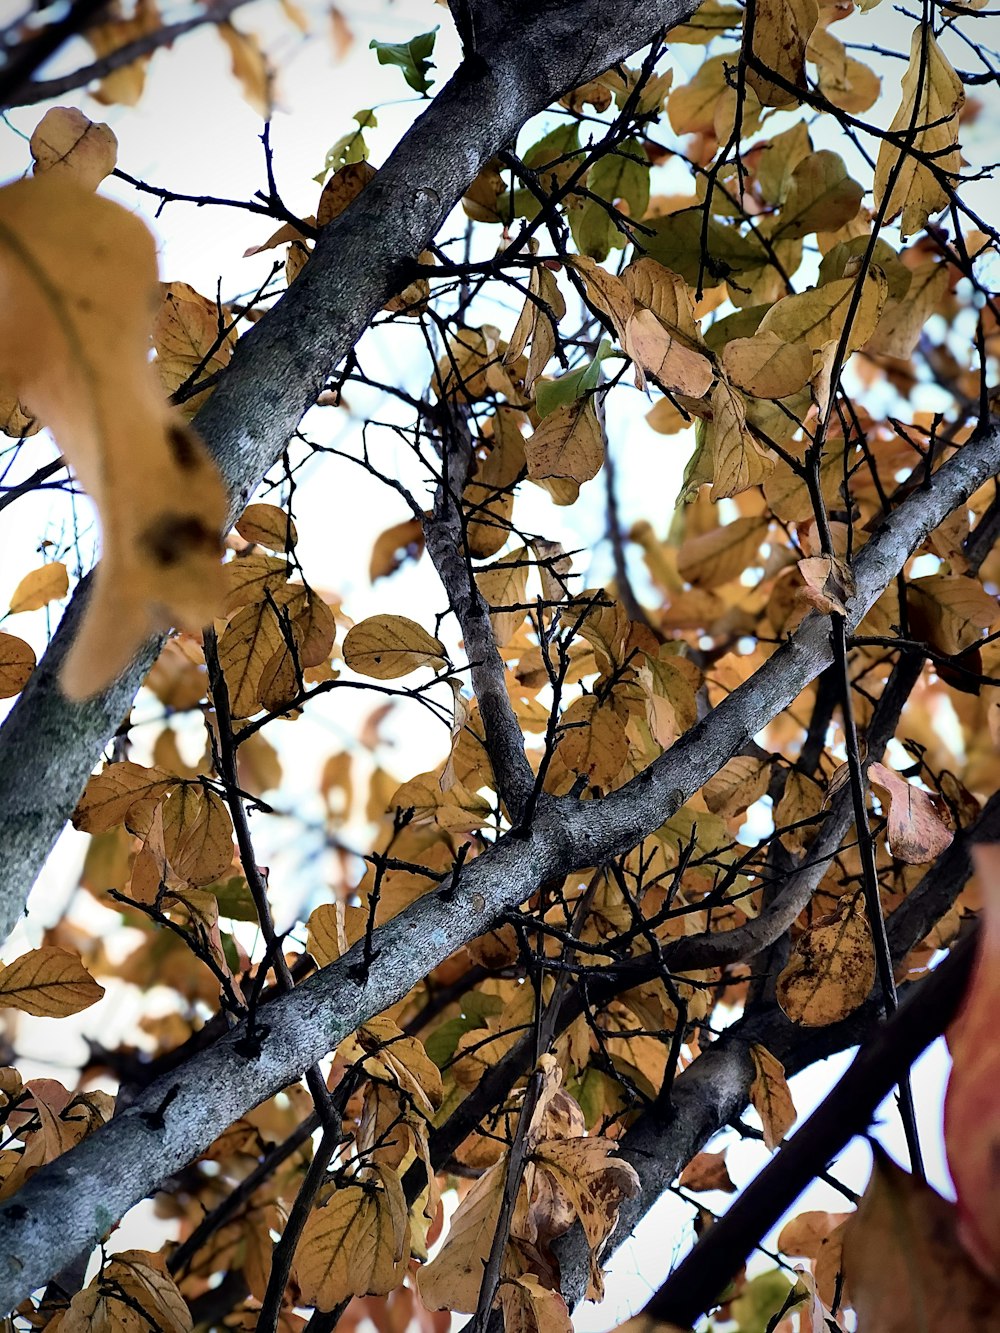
[75, 1199]
[525, 56]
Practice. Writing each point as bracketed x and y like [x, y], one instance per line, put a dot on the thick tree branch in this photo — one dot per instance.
[527, 55]
[75, 1199]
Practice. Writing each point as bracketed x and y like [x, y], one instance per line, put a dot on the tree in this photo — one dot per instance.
[691, 831]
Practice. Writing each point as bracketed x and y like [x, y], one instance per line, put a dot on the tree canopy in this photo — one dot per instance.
[442, 908]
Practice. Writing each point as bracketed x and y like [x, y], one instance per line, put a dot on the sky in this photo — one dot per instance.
[193, 132]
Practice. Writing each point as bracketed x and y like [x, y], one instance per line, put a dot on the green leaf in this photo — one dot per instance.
[550, 394]
[412, 57]
[350, 147]
[678, 243]
[622, 175]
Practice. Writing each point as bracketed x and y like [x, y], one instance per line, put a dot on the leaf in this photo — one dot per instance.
[412, 57]
[43, 585]
[741, 781]
[716, 557]
[267, 525]
[67, 143]
[250, 68]
[847, 83]
[385, 647]
[832, 968]
[821, 196]
[17, 661]
[197, 834]
[595, 1183]
[819, 315]
[738, 461]
[950, 611]
[916, 832]
[829, 583]
[132, 1292]
[247, 645]
[707, 1171]
[403, 1061]
[770, 1096]
[902, 321]
[550, 394]
[343, 188]
[971, 1125]
[593, 743]
[805, 1234]
[504, 585]
[356, 1244]
[189, 342]
[567, 446]
[48, 983]
[528, 1307]
[452, 1279]
[778, 39]
[904, 1268]
[394, 547]
[80, 274]
[933, 96]
[675, 367]
[766, 366]
[123, 793]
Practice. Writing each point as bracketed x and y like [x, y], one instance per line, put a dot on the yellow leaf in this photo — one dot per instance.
[385, 647]
[392, 1055]
[48, 983]
[123, 793]
[43, 585]
[17, 661]
[933, 96]
[80, 278]
[778, 39]
[675, 367]
[528, 1307]
[247, 645]
[741, 781]
[844, 81]
[902, 320]
[593, 743]
[503, 585]
[595, 1183]
[250, 67]
[801, 799]
[356, 1244]
[722, 554]
[452, 1279]
[832, 968]
[950, 612]
[394, 546]
[67, 143]
[188, 341]
[738, 461]
[766, 366]
[770, 1096]
[132, 1292]
[197, 834]
[267, 525]
[566, 446]
[249, 578]
[123, 85]
[819, 315]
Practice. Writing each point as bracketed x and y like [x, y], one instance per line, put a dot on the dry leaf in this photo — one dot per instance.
[250, 67]
[904, 1268]
[267, 525]
[566, 447]
[197, 834]
[67, 143]
[778, 39]
[43, 585]
[452, 1279]
[78, 274]
[707, 1171]
[385, 647]
[916, 830]
[17, 661]
[49, 983]
[356, 1243]
[123, 793]
[832, 968]
[971, 1124]
[133, 1291]
[770, 1096]
[765, 366]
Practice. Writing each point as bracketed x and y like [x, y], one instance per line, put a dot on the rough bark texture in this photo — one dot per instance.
[524, 56]
[73, 1201]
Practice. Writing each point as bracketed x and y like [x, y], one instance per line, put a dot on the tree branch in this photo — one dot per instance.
[527, 56]
[76, 1198]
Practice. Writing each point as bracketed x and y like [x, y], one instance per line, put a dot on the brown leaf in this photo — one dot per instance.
[707, 1171]
[197, 834]
[567, 446]
[916, 831]
[778, 38]
[189, 342]
[770, 1096]
[49, 983]
[452, 1279]
[528, 1307]
[713, 558]
[393, 547]
[132, 1291]
[80, 280]
[950, 611]
[67, 143]
[832, 968]
[341, 189]
[123, 793]
[267, 525]
[741, 781]
[17, 661]
[904, 1268]
[250, 68]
